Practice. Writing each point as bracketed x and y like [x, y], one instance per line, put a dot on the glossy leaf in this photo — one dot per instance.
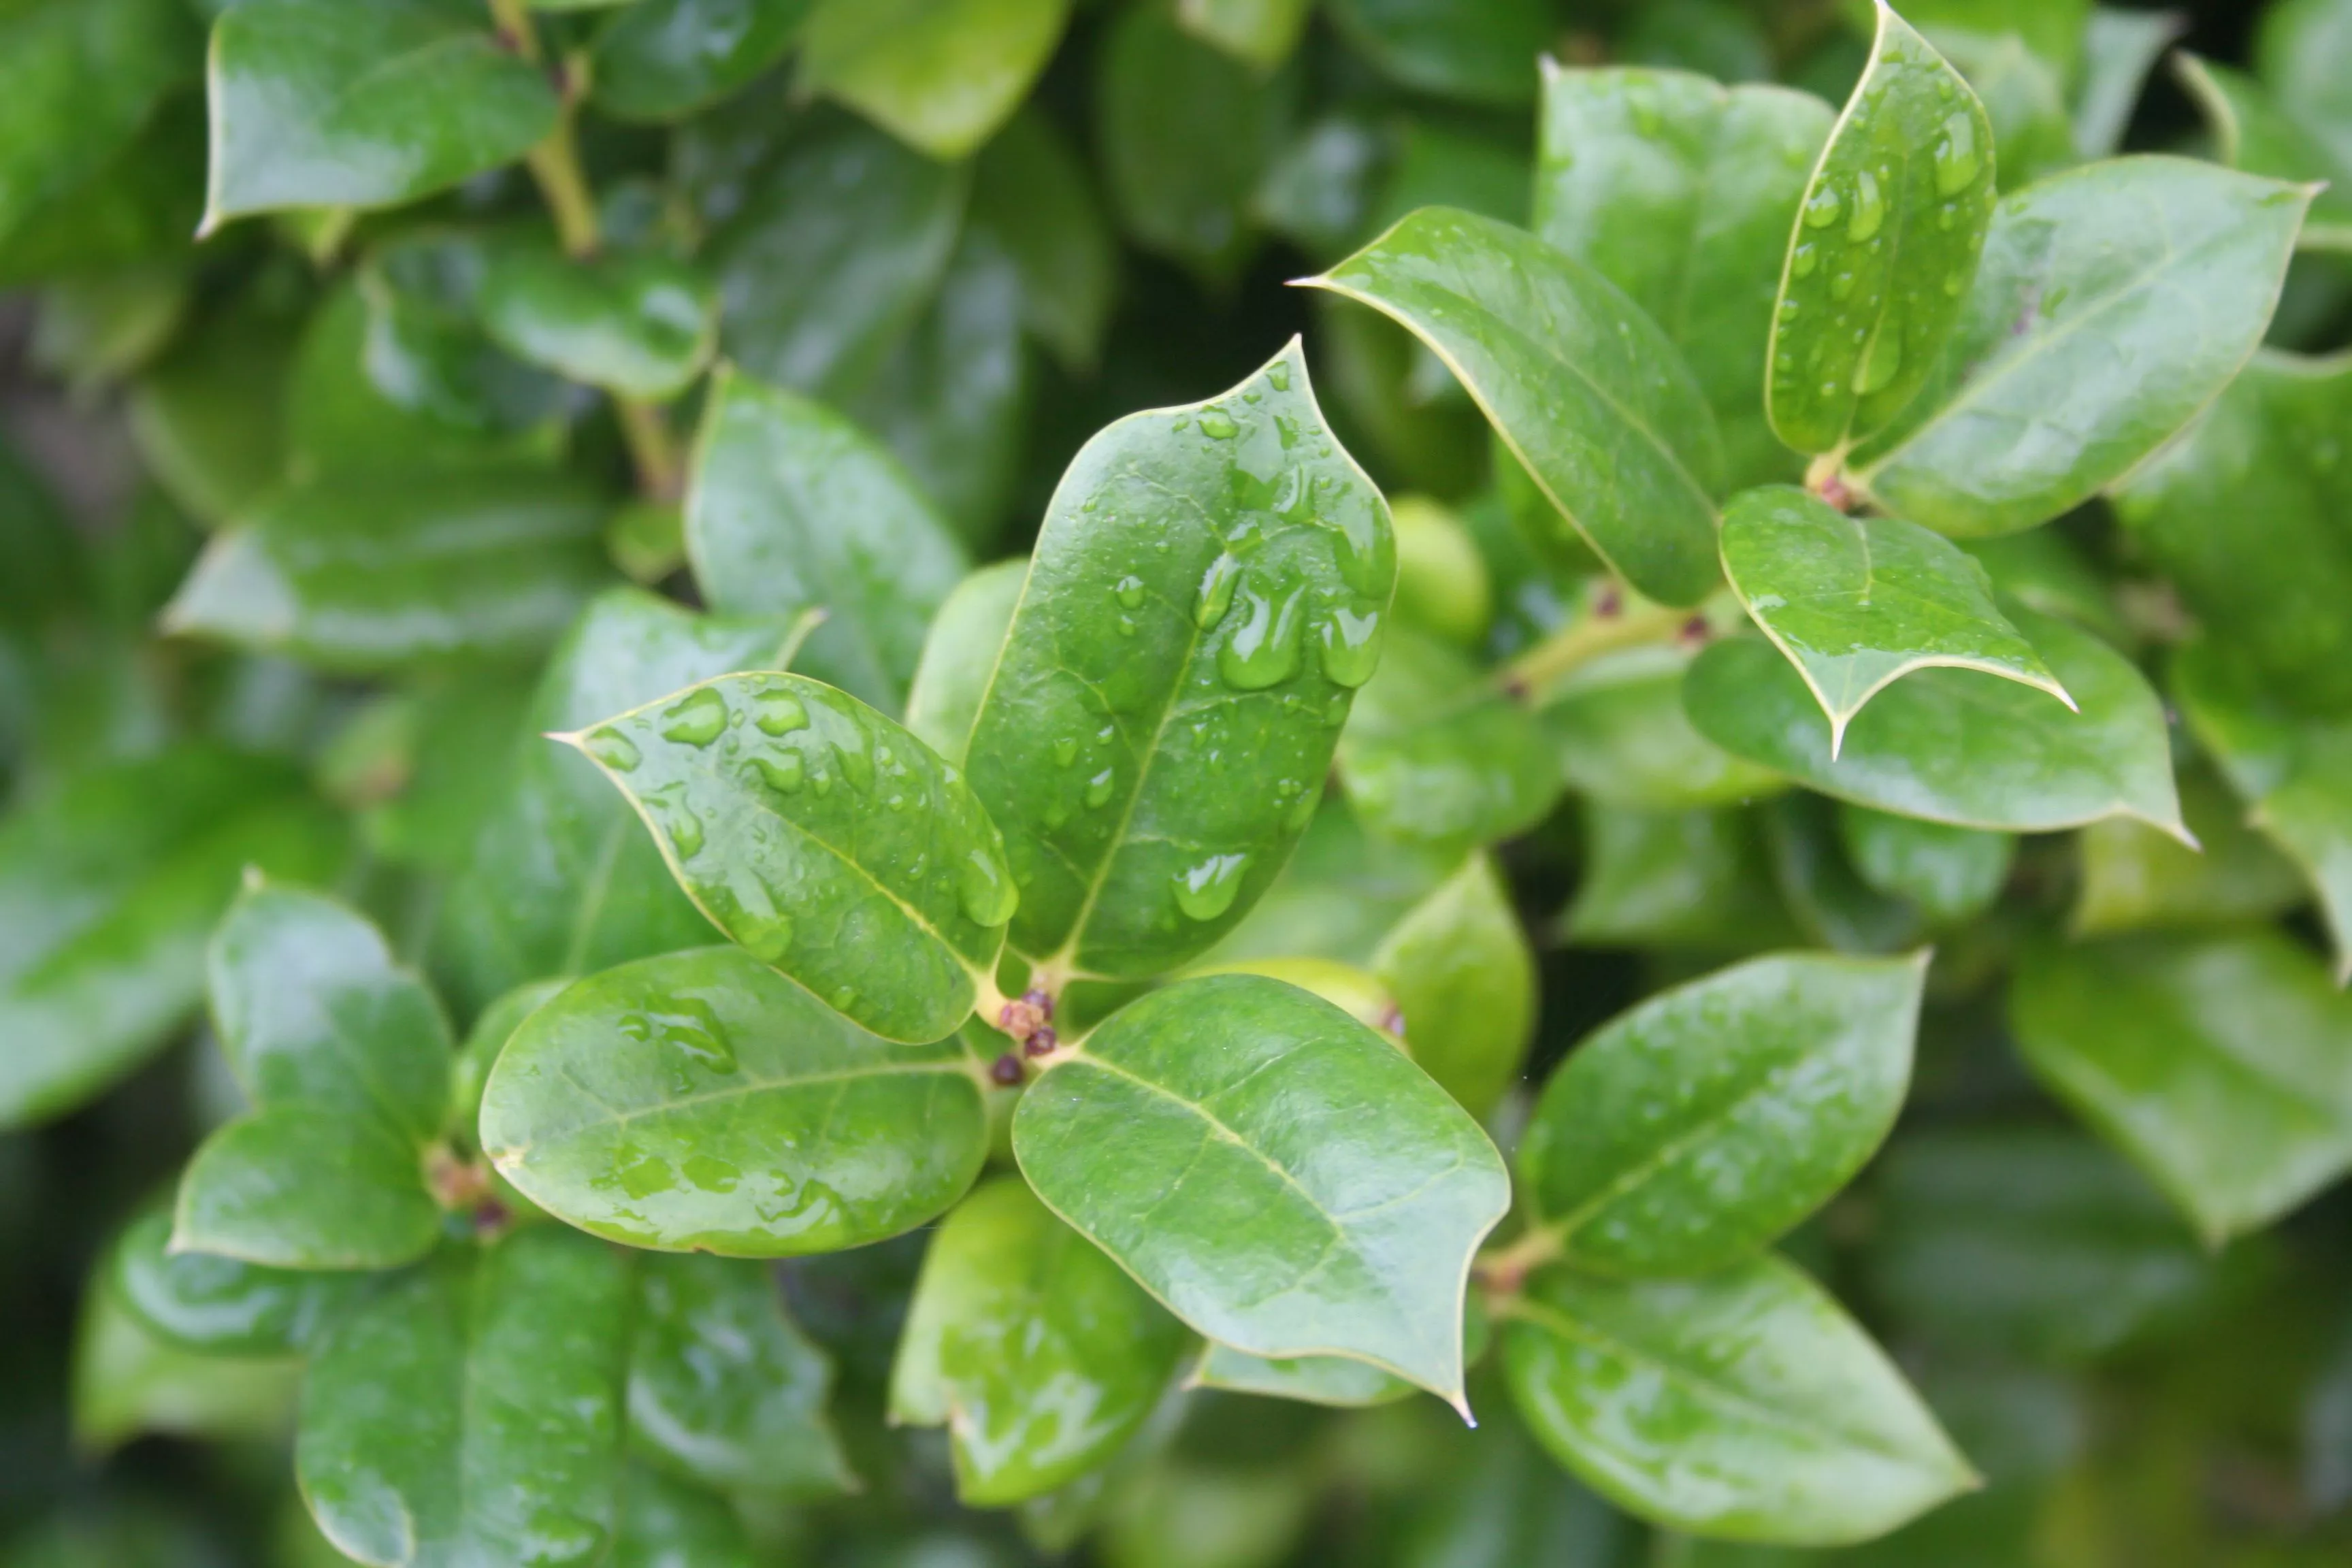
[940, 76]
[315, 104]
[128, 1380]
[108, 886]
[2222, 1065]
[664, 59]
[1949, 874]
[1487, 55]
[1625, 740]
[1260, 32]
[1958, 746]
[1207, 593]
[641, 325]
[1036, 1352]
[724, 1389]
[777, 478]
[472, 1411]
[1222, 1193]
[1339, 897]
[1682, 192]
[1460, 970]
[345, 1058]
[959, 653]
[835, 847]
[2136, 879]
[2076, 357]
[1587, 392]
[1857, 602]
[1885, 244]
[220, 1306]
[1313, 1380]
[1692, 1131]
[1745, 1404]
[701, 1100]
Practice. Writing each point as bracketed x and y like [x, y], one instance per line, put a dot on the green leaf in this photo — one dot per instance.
[773, 475]
[1190, 1139]
[1435, 753]
[1675, 878]
[2136, 879]
[1745, 1404]
[493, 1027]
[1835, 907]
[664, 1524]
[2119, 49]
[939, 75]
[1949, 874]
[355, 575]
[346, 1059]
[2052, 29]
[959, 654]
[1588, 393]
[662, 60]
[1883, 250]
[2024, 97]
[638, 324]
[1857, 602]
[1460, 969]
[1329, 1380]
[1682, 192]
[220, 1306]
[1958, 746]
[2221, 1066]
[315, 104]
[724, 1390]
[1443, 585]
[700, 1101]
[1485, 54]
[1036, 1352]
[110, 883]
[1261, 33]
[2074, 357]
[2300, 49]
[834, 846]
[472, 1413]
[1208, 592]
[84, 78]
[127, 1381]
[1624, 738]
[1694, 1129]
[1339, 897]
[1031, 192]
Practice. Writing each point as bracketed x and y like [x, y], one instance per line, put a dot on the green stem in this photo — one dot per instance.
[1590, 636]
[653, 450]
[512, 18]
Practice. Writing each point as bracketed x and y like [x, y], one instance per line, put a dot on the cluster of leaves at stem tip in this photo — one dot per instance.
[875, 894]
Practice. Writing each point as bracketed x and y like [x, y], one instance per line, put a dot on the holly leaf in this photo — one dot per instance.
[639, 324]
[1588, 393]
[1745, 1404]
[1208, 592]
[1225, 1195]
[664, 60]
[1857, 602]
[1688, 1133]
[959, 659]
[1460, 970]
[940, 76]
[1332, 1380]
[700, 1101]
[220, 1306]
[1883, 250]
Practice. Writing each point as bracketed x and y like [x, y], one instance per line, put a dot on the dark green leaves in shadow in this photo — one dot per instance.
[1039, 1355]
[701, 1100]
[1700, 1126]
[940, 76]
[1948, 873]
[1883, 246]
[834, 846]
[346, 1059]
[1207, 594]
[1190, 1141]
[1484, 55]
[1588, 393]
[665, 59]
[640, 324]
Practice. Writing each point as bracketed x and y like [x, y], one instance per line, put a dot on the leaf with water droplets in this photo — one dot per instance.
[701, 1100]
[471, 1412]
[2078, 354]
[1039, 1355]
[834, 846]
[1859, 602]
[1745, 1404]
[1698, 1127]
[1153, 761]
[1191, 1138]
[1883, 249]
[1589, 393]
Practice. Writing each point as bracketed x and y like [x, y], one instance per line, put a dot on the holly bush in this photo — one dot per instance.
[1675, 890]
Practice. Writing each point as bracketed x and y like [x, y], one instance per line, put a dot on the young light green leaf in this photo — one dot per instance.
[2136, 879]
[2075, 358]
[1958, 746]
[1745, 1404]
[775, 476]
[1261, 33]
[939, 75]
[2222, 1065]
[1588, 393]
[1682, 192]
[1691, 879]
[128, 1380]
[1035, 1352]
[1207, 593]
[318, 104]
[835, 847]
[1949, 874]
[1460, 969]
[1690, 1131]
[471, 1413]
[959, 655]
[724, 1390]
[662, 60]
[700, 1101]
[110, 883]
[220, 1306]
[1857, 602]
[346, 1059]
[1625, 740]
[1189, 1140]
[1484, 55]
[1443, 585]
[1883, 249]
[638, 324]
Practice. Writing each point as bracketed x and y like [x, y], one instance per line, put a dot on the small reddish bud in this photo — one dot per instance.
[1041, 1001]
[1608, 603]
[1041, 1041]
[1693, 631]
[1005, 1070]
[1392, 1020]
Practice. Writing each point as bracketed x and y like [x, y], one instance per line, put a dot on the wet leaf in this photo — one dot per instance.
[639, 324]
[1339, 897]
[663, 60]
[1435, 753]
[959, 653]
[1460, 969]
[939, 75]
[220, 1306]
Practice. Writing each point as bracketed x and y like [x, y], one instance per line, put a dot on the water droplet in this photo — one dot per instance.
[784, 770]
[1218, 424]
[1126, 625]
[695, 718]
[778, 712]
[1645, 115]
[986, 894]
[711, 1174]
[688, 1026]
[1954, 284]
[1278, 372]
[644, 1178]
[685, 833]
[1216, 591]
[1821, 207]
[843, 997]
[1066, 751]
[1801, 262]
[1302, 810]
[1130, 590]
[897, 802]
[1869, 208]
[1841, 285]
[855, 766]
[1351, 644]
[1098, 787]
[1207, 889]
[1957, 160]
[822, 781]
[1264, 649]
[612, 749]
[1880, 362]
